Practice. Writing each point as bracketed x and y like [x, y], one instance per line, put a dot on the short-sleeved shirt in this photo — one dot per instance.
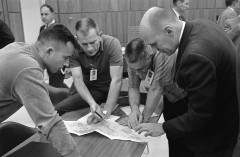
[163, 67]
[109, 54]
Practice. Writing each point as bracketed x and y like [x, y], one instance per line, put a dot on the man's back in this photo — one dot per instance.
[15, 60]
[207, 72]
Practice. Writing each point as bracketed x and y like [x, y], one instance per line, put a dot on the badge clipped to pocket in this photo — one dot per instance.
[149, 76]
[93, 74]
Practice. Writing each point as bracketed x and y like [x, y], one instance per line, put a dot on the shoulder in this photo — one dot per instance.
[109, 40]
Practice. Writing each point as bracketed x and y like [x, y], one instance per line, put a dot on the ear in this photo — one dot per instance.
[49, 51]
[169, 30]
[178, 3]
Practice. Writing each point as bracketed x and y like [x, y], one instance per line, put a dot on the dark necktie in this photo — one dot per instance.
[181, 18]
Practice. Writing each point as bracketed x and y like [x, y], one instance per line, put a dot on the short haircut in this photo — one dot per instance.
[135, 50]
[229, 2]
[84, 24]
[58, 33]
[48, 6]
[175, 1]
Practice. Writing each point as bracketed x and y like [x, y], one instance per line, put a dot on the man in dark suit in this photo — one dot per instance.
[6, 35]
[179, 7]
[206, 69]
[47, 15]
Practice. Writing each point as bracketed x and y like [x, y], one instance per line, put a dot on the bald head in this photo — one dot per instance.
[155, 18]
[160, 25]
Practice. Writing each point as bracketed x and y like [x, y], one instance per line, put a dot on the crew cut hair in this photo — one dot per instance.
[58, 33]
[229, 2]
[48, 6]
[135, 50]
[84, 24]
[175, 1]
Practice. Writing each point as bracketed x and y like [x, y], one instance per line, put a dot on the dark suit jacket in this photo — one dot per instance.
[206, 69]
[41, 28]
[6, 35]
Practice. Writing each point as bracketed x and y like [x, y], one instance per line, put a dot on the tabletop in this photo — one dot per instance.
[90, 145]
[97, 145]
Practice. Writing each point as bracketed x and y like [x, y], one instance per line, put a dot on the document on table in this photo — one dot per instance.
[108, 128]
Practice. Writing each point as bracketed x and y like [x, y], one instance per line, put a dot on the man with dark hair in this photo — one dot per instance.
[58, 90]
[47, 15]
[157, 69]
[6, 35]
[206, 69]
[96, 70]
[179, 7]
[22, 83]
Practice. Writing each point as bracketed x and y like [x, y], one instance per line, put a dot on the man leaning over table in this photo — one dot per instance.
[22, 83]
[96, 70]
[206, 70]
[157, 69]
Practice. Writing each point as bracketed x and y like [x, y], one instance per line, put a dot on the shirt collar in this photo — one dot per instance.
[184, 23]
[53, 21]
[231, 9]
[177, 14]
[35, 52]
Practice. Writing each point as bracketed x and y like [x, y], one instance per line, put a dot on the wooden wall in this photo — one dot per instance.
[113, 16]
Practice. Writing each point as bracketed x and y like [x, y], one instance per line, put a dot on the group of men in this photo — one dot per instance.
[191, 64]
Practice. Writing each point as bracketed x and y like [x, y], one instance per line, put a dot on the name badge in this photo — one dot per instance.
[149, 77]
[93, 74]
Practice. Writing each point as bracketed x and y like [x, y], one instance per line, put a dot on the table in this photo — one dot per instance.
[95, 144]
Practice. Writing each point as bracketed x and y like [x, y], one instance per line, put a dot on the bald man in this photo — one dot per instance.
[206, 69]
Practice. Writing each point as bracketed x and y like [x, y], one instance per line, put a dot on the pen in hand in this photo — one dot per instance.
[98, 115]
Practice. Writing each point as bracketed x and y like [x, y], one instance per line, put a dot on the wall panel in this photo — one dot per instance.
[13, 6]
[100, 18]
[202, 4]
[115, 16]
[53, 4]
[69, 6]
[220, 4]
[70, 20]
[16, 26]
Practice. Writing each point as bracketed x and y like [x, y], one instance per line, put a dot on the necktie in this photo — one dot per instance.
[181, 18]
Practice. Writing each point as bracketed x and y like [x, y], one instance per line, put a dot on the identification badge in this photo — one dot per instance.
[149, 76]
[93, 74]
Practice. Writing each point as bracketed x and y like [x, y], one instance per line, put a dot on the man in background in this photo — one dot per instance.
[229, 13]
[47, 15]
[58, 90]
[22, 83]
[205, 64]
[96, 70]
[179, 7]
[6, 35]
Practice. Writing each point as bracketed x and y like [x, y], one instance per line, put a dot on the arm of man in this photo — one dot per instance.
[83, 90]
[135, 116]
[198, 74]
[153, 100]
[29, 89]
[115, 87]
[232, 27]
